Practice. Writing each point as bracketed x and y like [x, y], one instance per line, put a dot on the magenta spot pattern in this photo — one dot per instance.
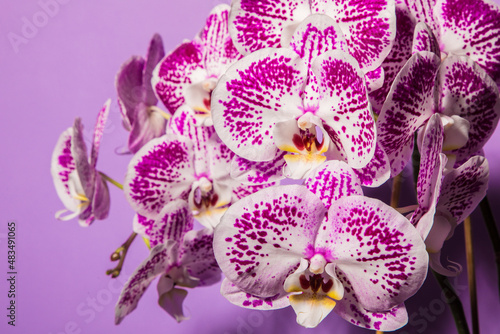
[377, 171]
[467, 91]
[332, 181]
[369, 27]
[172, 223]
[175, 74]
[151, 179]
[397, 57]
[259, 88]
[66, 163]
[388, 250]
[424, 40]
[259, 24]
[430, 171]
[476, 23]
[346, 108]
[409, 104]
[464, 188]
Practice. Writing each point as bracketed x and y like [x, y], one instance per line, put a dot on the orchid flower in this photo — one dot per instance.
[445, 196]
[368, 35]
[182, 258]
[188, 163]
[136, 97]
[400, 52]
[189, 73]
[320, 248]
[464, 28]
[308, 100]
[80, 187]
[456, 89]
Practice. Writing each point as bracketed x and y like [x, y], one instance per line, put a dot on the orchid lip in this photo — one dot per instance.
[313, 293]
[308, 137]
[316, 280]
[315, 283]
[203, 195]
[306, 140]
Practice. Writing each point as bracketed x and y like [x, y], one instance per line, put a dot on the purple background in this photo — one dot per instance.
[66, 69]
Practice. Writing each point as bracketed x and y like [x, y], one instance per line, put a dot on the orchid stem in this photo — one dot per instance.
[119, 255]
[396, 190]
[469, 251]
[110, 180]
[454, 302]
[489, 220]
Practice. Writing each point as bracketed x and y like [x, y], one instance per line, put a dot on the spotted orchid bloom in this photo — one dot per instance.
[182, 258]
[189, 74]
[445, 196]
[368, 35]
[400, 52]
[456, 89]
[309, 100]
[137, 99]
[79, 185]
[320, 248]
[464, 28]
[189, 163]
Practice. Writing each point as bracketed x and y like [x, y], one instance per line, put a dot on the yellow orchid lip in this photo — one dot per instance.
[222, 204]
[208, 212]
[289, 148]
[311, 308]
[303, 157]
[313, 299]
[334, 295]
[293, 288]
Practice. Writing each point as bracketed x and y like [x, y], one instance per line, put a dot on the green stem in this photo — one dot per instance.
[454, 302]
[489, 220]
[119, 255]
[110, 180]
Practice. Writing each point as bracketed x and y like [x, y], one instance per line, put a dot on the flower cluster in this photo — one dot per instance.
[340, 95]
